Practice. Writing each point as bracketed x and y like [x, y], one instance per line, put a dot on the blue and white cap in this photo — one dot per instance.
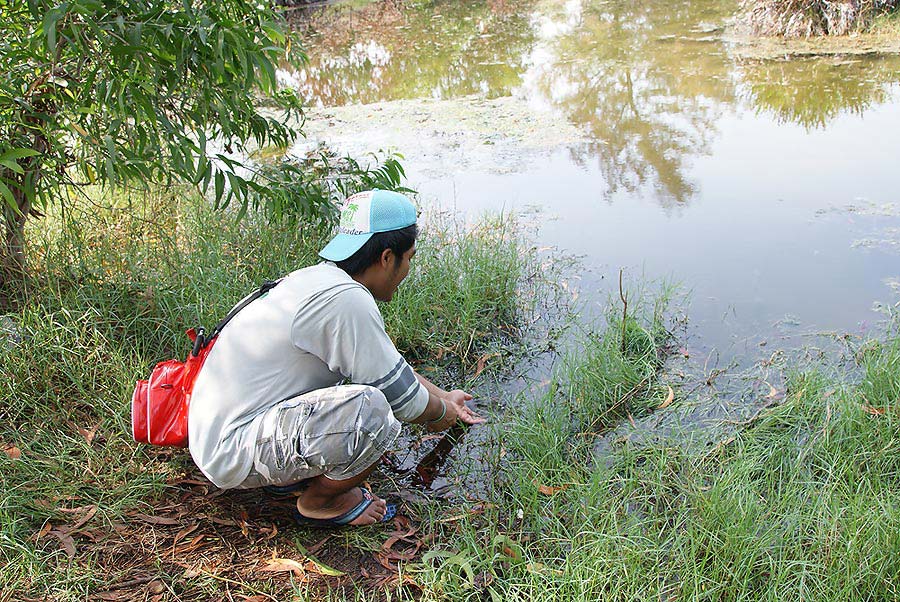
[365, 214]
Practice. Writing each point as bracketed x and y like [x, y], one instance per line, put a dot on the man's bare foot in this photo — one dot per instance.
[343, 503]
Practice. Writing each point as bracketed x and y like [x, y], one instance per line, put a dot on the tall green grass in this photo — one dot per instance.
[465, 291]
[112, 291]
[801, 503]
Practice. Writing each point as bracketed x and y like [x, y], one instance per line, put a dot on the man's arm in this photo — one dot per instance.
[445, 408]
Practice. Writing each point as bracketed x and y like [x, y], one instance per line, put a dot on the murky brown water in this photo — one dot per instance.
[648, 140]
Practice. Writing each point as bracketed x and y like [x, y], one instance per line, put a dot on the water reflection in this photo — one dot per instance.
[645, 86]
[813, 91]
[648, 82]
[398, 50]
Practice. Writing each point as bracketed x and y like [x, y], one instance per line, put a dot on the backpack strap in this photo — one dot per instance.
[202, 340]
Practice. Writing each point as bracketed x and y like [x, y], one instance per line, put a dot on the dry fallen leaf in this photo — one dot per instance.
[383, 561]
[185, 532]
[669, 398]
[269, 532]
[482, 362]
[157, 520]
[284, 565]
[66, 542]
[44, 530]
[113, 595]
[91, 511]
[551, 490]
[314, 566]
[89, 433]
[191, 545]
[13, 452]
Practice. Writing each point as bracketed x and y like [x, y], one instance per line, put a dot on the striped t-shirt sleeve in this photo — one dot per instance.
[403, 391]
[348, 334]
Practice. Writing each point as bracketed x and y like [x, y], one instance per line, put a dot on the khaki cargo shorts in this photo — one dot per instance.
[337, 432]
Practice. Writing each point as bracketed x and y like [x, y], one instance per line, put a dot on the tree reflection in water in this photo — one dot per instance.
[648, 81]
[647, 85]
[812, 91]
[401, 50]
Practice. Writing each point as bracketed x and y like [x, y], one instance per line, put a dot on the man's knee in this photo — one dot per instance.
[369, 428]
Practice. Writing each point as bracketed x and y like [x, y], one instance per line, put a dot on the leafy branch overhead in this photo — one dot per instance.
[136, 91]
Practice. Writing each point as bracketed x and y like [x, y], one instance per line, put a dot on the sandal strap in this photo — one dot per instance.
[357, 510]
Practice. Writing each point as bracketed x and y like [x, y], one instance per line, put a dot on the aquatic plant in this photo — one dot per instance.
[804, 18]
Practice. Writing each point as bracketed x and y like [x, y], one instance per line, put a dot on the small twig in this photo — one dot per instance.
[624, 299]
[634, 390]
[718, 446]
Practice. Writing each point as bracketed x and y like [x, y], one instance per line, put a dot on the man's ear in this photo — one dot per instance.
[387, 257]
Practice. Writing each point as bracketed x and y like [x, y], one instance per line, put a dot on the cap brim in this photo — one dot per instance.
[343, 246]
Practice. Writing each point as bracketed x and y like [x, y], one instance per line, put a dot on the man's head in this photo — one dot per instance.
[375, 240]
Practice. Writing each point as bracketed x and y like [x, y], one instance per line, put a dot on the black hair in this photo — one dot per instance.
[399, 241]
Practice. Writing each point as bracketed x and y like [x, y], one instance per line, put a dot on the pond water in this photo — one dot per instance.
[641, 135]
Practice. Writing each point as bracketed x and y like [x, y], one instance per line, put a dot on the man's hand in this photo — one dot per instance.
[456, 411]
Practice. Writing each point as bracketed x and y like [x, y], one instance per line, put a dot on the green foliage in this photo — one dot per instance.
[136, 91]
[309, 190]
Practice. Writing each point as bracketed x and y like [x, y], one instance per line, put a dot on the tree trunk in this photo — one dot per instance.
[12, 252]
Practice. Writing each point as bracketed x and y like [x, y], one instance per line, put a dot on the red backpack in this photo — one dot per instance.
[159, 405]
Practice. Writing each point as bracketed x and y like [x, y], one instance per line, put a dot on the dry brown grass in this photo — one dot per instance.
[805, 18]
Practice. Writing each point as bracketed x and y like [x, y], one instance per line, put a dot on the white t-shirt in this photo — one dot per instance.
[315, 329]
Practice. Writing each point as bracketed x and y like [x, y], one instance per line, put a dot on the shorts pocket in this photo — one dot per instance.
[276, 456]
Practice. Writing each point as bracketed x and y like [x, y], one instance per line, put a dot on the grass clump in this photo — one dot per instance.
[800, 503]
[465, 291]
[803, 18]
[111, 292]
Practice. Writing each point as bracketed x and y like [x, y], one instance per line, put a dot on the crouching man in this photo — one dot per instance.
[268, 408]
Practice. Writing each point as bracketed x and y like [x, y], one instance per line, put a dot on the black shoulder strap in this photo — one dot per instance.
[202, 339]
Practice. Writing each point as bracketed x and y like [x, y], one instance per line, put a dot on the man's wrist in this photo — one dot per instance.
[443, 412]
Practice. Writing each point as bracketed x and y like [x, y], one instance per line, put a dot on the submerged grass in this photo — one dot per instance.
[799, 503]
[112, 291]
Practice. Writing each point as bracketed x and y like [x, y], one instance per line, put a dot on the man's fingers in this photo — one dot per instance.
[470, 417]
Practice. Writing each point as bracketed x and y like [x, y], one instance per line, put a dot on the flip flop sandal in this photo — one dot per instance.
[344, 519]
[285, 489]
